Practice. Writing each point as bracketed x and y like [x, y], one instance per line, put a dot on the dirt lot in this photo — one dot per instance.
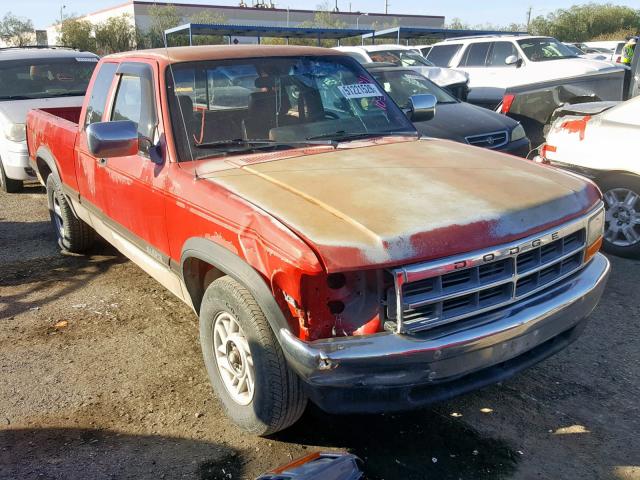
[101, 377]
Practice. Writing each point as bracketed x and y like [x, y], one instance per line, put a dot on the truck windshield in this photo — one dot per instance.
[27, 79]
[542, 49]
[233, 106]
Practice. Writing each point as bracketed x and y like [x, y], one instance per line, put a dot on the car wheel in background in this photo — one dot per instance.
[622, 222]
[74, 235]
[9, 185]
[246, 365]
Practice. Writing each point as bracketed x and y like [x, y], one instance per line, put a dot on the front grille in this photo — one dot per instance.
[439, 293]
[489, 140]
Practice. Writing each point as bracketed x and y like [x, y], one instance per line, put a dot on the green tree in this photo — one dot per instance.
[77, 33]
[162, 17]
[585, 22]
[116, 34]
[16, 31]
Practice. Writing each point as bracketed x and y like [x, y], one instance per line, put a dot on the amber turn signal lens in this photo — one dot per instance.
[593, 249]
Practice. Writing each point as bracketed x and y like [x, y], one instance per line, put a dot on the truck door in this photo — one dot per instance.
[86, 165]
[133, 186]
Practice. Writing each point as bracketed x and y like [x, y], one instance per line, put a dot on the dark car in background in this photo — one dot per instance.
[454, 120]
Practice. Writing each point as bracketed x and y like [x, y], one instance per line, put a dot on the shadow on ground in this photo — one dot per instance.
[81, 454]
[48, 279]
[416, 445]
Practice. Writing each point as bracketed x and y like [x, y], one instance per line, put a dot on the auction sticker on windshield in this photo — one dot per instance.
[360, 90]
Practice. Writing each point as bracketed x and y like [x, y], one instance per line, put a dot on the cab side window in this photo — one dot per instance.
[99, 92]
[134, 101]
[500, 52]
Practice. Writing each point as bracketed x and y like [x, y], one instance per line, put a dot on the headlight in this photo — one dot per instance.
[595, 231]
[16, 132]
[518, 133]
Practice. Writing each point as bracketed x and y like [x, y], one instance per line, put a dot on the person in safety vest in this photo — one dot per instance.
[628, 51]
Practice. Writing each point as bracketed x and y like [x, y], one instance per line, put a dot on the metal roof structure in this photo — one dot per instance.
[192, 29]
[407, 33]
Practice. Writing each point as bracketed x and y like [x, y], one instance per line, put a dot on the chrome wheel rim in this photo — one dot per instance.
[622, 219]
[233, 358]
[57, 216]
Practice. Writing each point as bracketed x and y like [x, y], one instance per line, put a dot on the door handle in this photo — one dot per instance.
[102, 162]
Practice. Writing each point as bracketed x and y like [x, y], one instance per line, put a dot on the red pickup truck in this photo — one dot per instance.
[330, 253]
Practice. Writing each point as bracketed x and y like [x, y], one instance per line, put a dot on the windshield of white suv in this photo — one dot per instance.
[543, 49]
[402, 84]
[401, 58]
[292, 101]
[28, 79]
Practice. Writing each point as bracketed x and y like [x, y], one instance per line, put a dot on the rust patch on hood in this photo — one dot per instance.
[409, 201]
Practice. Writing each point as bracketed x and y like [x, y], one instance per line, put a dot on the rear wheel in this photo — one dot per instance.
[247, 368]
[622, 221]
[74, 235]
[9, 185]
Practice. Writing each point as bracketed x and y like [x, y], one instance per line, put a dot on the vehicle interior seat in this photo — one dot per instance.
[267, 109]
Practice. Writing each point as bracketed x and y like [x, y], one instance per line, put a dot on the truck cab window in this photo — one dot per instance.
[99, 92]
[134, 101]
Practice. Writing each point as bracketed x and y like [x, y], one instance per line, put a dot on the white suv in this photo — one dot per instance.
[455, 81]
[35, 78]
[496, 62]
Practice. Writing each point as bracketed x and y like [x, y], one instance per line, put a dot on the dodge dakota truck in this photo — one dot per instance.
[331, 254]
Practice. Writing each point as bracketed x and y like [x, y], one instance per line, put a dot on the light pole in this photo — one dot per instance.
[61, 15]
[358, 19]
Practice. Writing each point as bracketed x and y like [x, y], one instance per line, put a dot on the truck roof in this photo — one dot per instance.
[223, 52]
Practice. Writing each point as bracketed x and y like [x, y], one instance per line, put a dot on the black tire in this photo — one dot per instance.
[73, 234]
[616, 185]
[9, 185]
[278, 399]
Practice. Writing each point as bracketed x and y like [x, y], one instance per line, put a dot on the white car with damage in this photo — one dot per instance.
[602, 141]
[35, 78]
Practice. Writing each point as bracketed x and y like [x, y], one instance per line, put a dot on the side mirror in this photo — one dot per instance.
[113, 139]
[513, 60]
[422, 107]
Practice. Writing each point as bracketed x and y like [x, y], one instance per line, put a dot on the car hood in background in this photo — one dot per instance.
[443, 76]
[15, 111]
[455, 121]
[408, 201]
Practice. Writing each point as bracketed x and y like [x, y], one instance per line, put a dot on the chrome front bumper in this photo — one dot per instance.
[436, 357]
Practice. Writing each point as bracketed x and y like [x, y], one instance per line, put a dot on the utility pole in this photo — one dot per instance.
[386, 7]
[529, 17]
[61, 14]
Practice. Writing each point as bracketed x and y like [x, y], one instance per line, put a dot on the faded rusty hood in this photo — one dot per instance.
[408, 201]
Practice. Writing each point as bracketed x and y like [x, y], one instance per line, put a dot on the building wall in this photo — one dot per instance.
[281, 18]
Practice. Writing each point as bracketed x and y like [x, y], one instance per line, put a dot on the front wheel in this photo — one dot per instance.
[622, 221]
[245, 363]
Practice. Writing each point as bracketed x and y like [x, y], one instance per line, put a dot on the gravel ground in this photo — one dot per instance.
[101, 377]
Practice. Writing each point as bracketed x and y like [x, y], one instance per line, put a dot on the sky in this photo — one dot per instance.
[500, 12]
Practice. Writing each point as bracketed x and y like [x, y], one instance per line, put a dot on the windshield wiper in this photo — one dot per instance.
[342, 135]
[254, 144]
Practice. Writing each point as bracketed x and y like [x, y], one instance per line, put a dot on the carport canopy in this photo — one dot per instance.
[258, 31]
[414, 33]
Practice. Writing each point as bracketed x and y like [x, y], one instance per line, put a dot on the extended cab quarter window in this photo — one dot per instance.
[99, 92]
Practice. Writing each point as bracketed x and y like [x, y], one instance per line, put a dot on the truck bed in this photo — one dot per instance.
[53, 131]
